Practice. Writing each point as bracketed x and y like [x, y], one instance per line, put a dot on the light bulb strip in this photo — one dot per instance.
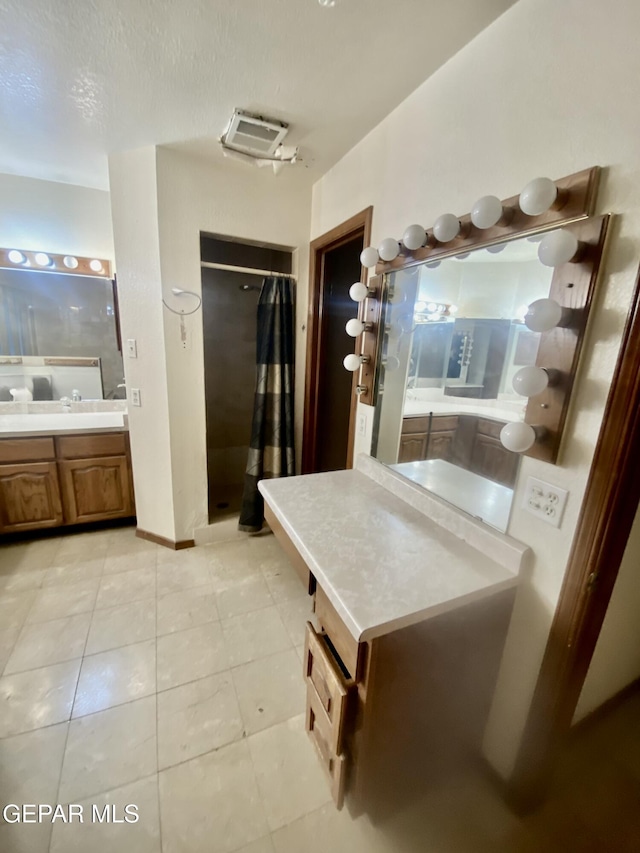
[572, 288]
[575, 201]
[14, 258]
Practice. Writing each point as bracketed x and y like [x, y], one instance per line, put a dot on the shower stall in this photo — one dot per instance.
[232, 274]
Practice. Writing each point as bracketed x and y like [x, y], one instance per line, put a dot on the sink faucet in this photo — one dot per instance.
[66, 404]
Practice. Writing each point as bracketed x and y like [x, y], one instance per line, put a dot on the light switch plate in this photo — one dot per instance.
[544, 500]
[132, 348]
[135, 397]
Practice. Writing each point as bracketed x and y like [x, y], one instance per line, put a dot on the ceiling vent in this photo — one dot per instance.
[254, 135]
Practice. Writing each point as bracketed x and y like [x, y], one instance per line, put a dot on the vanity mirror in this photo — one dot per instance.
[58, 328]
[481, 322]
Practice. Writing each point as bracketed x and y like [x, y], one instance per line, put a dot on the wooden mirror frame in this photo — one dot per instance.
[572, 286]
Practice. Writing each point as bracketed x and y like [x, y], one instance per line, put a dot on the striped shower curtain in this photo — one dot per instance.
[271, 452]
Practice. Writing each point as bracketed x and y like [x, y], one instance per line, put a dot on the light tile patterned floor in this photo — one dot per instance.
[133, 674]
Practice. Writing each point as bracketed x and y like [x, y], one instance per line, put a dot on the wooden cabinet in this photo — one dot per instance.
[425, 437]
[70, 479]
[29, 497]
[467, 441]
[413, 447]
[388, 716]
[95, 489]
[489, 457]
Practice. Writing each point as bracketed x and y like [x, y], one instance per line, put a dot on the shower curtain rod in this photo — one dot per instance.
[250, 270]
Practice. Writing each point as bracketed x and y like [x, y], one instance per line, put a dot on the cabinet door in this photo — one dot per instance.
[95, 489]
[29, 497]
[440, 445]
[412, 447]
[491, 459]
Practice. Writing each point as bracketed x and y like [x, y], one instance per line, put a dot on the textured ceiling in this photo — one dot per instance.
[79, 80]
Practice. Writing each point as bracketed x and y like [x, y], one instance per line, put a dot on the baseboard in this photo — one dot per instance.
[162, 540]
[602, 710]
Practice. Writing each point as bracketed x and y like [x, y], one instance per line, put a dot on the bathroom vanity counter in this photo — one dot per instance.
[455, 406]
[412, 603]
[61, 423]
[382, 562]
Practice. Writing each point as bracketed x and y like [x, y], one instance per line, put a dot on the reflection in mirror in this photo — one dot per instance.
[47, 317]
[453, 337]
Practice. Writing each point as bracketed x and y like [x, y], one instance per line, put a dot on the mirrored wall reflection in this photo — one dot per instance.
[49, 317]
[453, 337]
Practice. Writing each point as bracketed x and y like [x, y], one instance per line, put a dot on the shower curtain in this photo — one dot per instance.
[271, 452]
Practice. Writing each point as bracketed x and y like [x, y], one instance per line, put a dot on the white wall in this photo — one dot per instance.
[133, 181]
[54, 217]
[232, 199]
[195, 195]
[616, 660]
[545, 90]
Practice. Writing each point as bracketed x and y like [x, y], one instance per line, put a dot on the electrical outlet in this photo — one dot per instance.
[132, 348]
[544, 501]
[362, 424]
[135, 397]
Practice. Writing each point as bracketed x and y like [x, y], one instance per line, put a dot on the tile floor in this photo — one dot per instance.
[135, 675]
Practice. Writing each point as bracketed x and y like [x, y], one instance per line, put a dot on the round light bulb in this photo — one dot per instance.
[389, 249]
[354, 328]
[17, 257]
[538, 196]
[558, 247]
[453, 309]
[393, 363]
[486, 212]
[432, 308]
[358, 291]
[352, 362]
[446, 227]
[420, 306]
[96, 266]
[43, 260]
[543, 315]
[369, 257]
[530, 381]
[414, 237]
[70, 262]
[517, 437]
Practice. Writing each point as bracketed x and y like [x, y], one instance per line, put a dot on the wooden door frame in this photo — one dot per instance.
[608, 511]
[338, 236]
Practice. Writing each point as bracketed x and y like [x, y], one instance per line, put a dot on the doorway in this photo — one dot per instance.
[232, 275]
[330, 400]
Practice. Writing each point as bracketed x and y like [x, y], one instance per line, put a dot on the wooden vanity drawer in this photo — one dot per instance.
[349, 650]
[490, 428]
[26, 450]
[334, 765]
[327, 685]
[91, 446]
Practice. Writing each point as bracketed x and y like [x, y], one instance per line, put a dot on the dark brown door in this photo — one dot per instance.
[329, 396]
[341, 268]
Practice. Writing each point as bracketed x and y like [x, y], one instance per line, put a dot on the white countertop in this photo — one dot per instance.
[21, 425]
[413, 408]
[479, 496]
[381, 561]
